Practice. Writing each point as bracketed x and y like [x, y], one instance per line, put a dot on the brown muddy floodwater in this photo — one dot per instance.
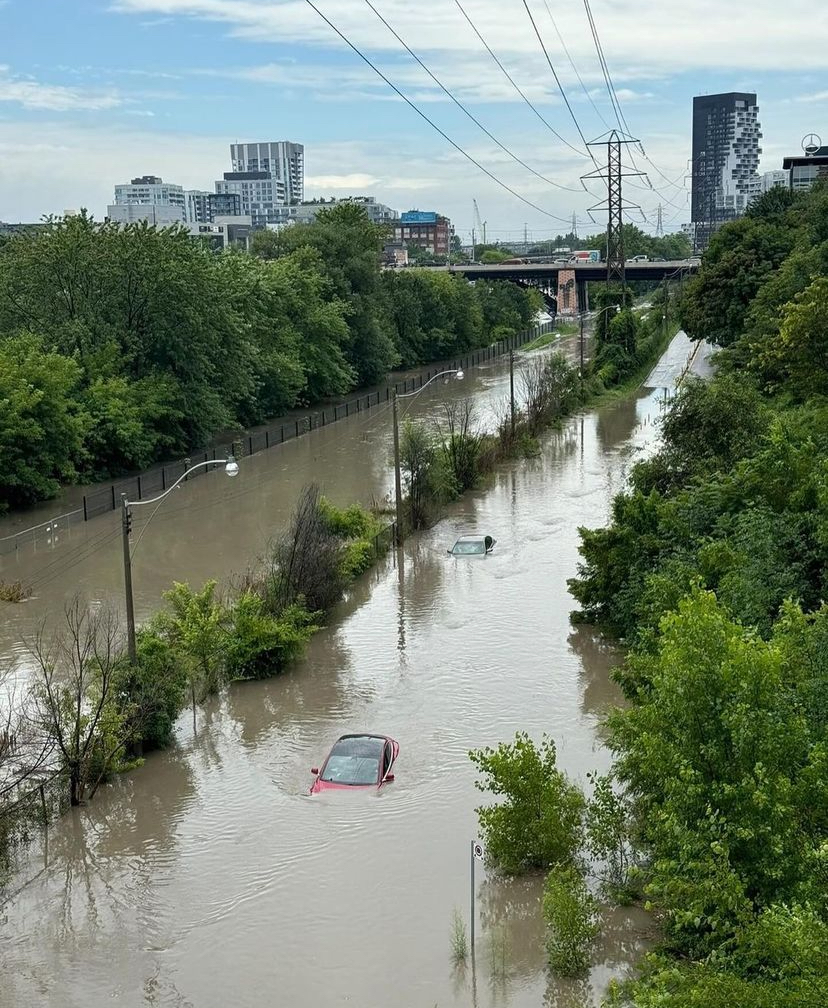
[209, 878]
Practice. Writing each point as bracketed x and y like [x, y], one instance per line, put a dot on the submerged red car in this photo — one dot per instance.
[357, 761]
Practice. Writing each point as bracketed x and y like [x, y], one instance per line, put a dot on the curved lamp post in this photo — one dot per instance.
[398, 525]
[231, 467]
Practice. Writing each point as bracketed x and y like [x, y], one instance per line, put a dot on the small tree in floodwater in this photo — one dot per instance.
[540, 821]
[76, 703]
[571, 915]
[306, 563]
[417, 456]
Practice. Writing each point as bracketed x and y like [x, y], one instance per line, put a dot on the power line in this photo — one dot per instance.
[574, 68]
[619, 115]
[557, 81]
[514, 83]
[426, 119]
[463, 108]
[622, 121]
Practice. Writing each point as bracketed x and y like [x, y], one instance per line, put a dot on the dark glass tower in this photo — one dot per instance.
[725, 160]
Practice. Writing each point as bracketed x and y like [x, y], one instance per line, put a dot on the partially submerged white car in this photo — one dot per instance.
[473, 545]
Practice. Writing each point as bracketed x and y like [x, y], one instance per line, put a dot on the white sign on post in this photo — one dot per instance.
[478, 851]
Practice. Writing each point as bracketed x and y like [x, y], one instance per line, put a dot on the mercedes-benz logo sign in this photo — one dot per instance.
[811, 143]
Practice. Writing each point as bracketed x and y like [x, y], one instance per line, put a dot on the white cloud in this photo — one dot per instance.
[34, 95]
[817, 96]
[352, 182]
[637, 34]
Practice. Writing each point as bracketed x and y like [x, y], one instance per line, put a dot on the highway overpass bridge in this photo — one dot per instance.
[565, 283]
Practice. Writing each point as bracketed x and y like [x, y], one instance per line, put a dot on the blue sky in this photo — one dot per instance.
[93, 92]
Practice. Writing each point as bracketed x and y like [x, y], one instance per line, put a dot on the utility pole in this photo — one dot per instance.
[512, 387]
[126, 528]
[525, 240]
[581, 349]
[614, 173]
[398, 524]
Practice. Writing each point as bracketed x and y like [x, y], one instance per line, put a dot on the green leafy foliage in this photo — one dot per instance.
[261, 645]
[122, 345]
[570, 912]
[40, 430]
[540, 819]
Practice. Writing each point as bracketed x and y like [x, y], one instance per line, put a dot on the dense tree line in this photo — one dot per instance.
[714, 570]
[120, 346]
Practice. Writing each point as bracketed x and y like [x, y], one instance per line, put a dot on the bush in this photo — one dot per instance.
[262, 645]
[540, 822]
[570, 913]
[153, 690]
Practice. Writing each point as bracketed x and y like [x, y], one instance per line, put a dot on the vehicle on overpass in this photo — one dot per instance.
[585, 256]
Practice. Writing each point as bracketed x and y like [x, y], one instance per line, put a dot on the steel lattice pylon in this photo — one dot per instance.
[615, 172]
[615, 231]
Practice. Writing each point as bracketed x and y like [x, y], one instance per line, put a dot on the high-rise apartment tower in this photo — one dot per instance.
[279, 158]
[726, 153]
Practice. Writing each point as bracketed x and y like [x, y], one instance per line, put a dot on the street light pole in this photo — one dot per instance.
[126, 528]
[230, 467]
[398, 529]
[399, 532]
[581, 351]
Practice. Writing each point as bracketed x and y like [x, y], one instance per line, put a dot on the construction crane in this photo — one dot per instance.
[478, 223]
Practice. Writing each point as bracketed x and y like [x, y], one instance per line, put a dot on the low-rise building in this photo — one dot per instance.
[425, 229]
[222, 232]
[159, 214]
[804, 169]
[378, 213]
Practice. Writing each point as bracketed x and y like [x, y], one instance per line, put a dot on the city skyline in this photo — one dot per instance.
[194, 76]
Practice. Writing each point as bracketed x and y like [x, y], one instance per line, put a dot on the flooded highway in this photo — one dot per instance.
[209, 877]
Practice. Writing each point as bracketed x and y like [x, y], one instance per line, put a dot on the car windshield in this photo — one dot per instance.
[354, 761]
[469, 546]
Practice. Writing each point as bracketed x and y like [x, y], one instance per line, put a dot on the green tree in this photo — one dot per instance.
[742, 255]
[570, 912]
[800, 352]
[196, 628]
[539, 822]
[349, 244]
[40, 429]
[721, 764]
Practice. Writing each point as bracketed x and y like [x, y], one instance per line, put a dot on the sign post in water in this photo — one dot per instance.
[477, 854]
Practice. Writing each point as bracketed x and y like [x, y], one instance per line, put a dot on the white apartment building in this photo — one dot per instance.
[261, 194]
[281, 159]
[152, 191]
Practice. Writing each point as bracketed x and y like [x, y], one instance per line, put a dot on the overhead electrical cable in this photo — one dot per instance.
[464, 109]
[514, 83]
[425, 118]
[557, 81]
[613, 94]
[574, 68]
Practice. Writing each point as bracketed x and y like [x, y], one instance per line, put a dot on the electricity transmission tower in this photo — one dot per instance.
[659, 221]
[574, 229]
[614, 173]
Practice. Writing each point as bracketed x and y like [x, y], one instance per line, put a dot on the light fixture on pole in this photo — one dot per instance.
[398, 524]
[231, 467]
